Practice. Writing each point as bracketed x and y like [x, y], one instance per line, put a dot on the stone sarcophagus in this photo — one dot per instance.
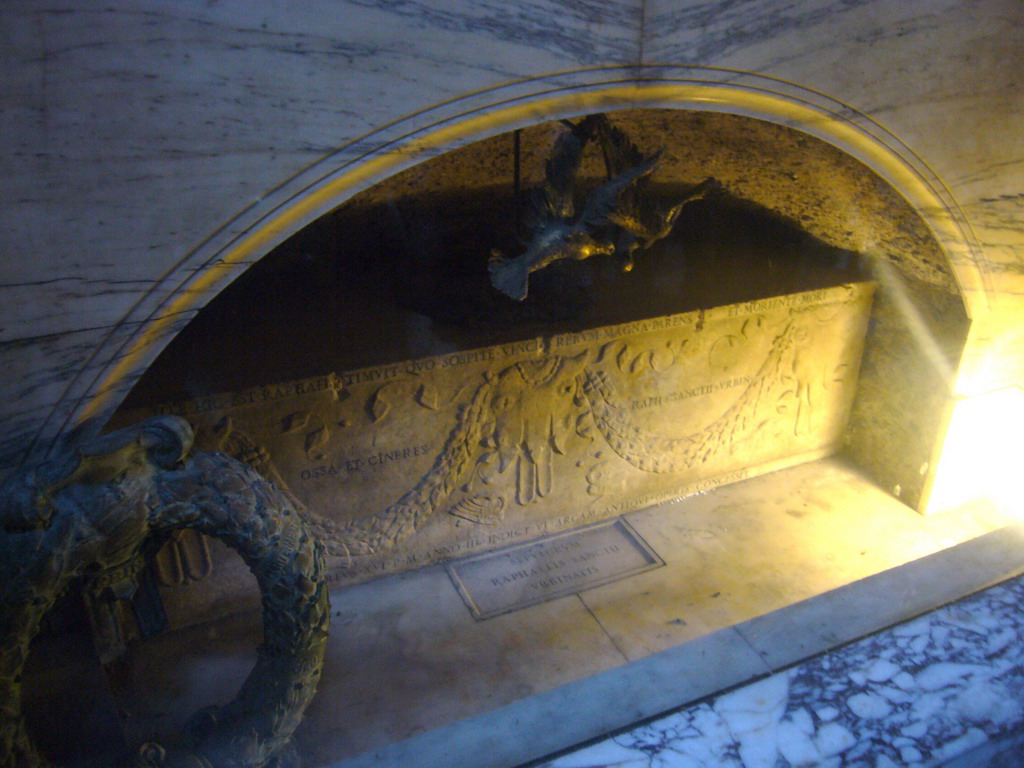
[419, 461]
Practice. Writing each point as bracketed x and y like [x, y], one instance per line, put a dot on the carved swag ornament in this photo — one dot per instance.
[107, 503]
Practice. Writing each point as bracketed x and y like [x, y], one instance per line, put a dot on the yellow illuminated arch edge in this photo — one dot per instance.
[770, 100]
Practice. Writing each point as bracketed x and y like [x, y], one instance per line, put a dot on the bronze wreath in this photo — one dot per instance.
[107, 502]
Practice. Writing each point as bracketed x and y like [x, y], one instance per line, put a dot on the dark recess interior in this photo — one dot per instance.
[369, 285]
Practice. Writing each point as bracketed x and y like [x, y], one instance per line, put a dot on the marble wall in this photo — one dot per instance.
[152, 150]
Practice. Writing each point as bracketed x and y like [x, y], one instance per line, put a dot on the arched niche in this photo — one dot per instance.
[289, 316]
[227, 253]
[816, 178]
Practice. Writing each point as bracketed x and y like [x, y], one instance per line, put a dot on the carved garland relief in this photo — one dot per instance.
[417, 461]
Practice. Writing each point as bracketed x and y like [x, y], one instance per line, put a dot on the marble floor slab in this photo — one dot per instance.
[752, 573]
[946, 688]
[755, 547]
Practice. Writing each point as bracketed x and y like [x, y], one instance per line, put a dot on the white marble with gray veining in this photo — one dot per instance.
[141, 137]
[136, 133]
[920, 694]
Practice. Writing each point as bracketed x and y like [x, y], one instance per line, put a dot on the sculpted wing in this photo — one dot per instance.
[553, 200]
[604, 200]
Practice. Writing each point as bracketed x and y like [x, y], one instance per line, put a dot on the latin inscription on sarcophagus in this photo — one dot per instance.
[419, 461]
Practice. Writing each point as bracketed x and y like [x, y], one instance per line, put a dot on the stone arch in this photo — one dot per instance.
[226, 254]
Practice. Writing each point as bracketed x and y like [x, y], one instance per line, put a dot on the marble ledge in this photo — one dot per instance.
[924, 680]
[948, 686]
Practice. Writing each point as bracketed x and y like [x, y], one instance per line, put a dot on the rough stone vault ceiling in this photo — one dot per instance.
[802, 179]
[141, 138]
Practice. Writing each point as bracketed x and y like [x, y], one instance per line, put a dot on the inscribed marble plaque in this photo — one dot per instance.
[419, 461]
[516, 577]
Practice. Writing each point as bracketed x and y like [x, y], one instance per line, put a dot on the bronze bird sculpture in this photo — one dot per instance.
[640, 221]
[557, 233]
